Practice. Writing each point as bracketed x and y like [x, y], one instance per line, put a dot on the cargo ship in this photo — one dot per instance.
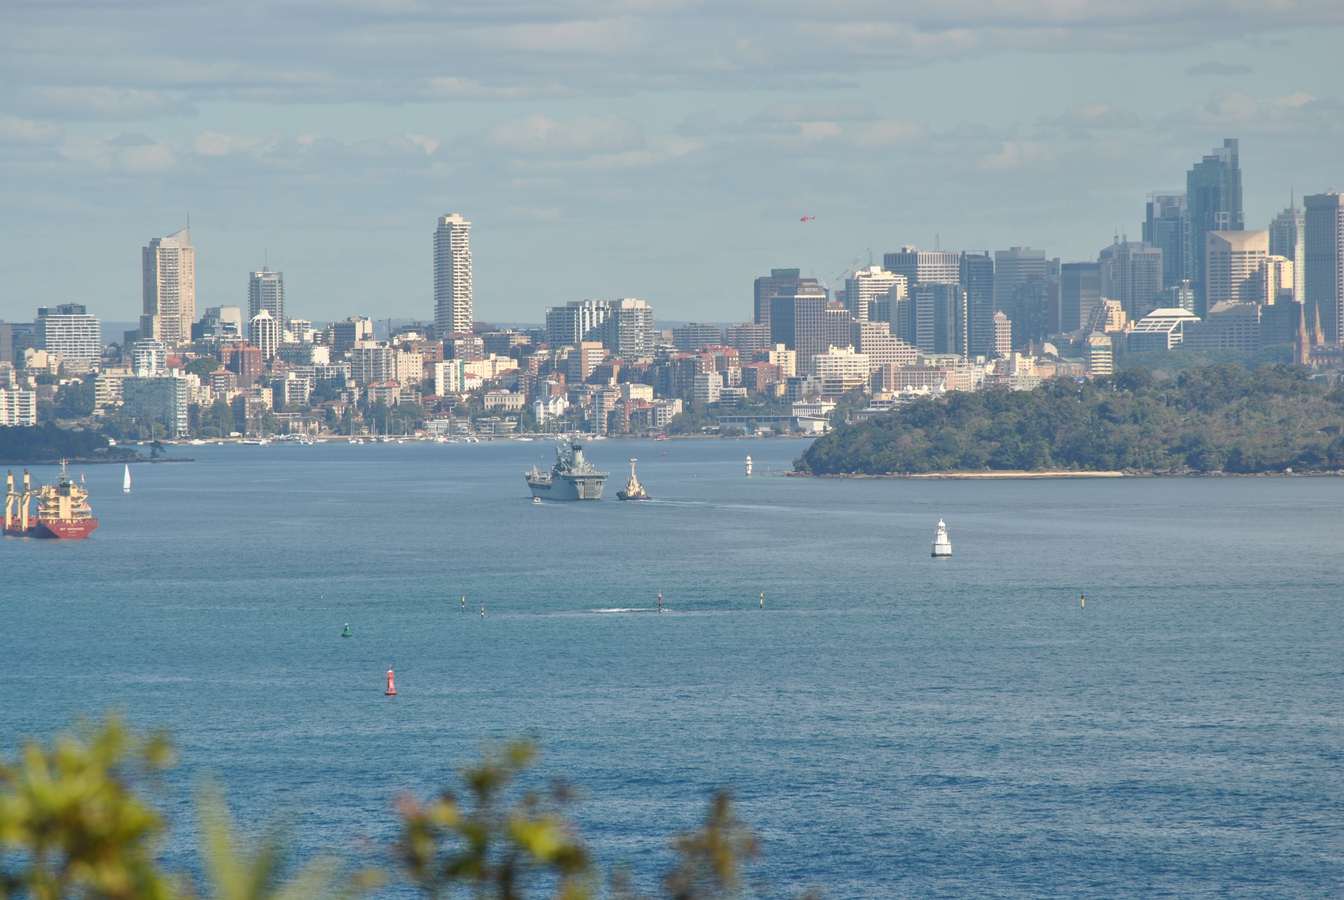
[62, 509]
[571, 478]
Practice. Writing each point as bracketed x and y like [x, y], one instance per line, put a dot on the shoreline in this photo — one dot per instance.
[1027, 475]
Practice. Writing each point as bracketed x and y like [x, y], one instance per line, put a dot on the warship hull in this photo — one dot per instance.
[568, 487]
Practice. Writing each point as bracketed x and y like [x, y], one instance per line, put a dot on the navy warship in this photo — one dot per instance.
[571, 478]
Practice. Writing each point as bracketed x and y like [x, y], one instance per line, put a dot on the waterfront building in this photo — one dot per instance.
[263, 331]
[18, 407]
[68, 331]
[1324, 256]
[1166, 226]
[1079, 293]
[372, 362]
[1287, 238]
[1099, 355]
[706, 388]
[168, 267]
[452, 275]
[780, 283]
[160, 402]
[1213, 198]
[869, 284]
[976, 277]
[1160, 330]
[1131, 272]
[1232, 264]
[266, 290]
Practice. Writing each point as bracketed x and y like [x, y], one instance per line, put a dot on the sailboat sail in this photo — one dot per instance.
[126, 480]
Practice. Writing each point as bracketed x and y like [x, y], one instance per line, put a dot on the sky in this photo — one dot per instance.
[663, 149]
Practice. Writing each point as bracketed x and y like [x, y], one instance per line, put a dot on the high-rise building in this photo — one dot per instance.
[694, 335]
[1276, 279]
[159, 402]
[1013, 268]
[266, 290]
[836, 323]
[869, 284]
[263, 331]
[630, 332]
[1324, 238]
[168, 266]
[924, 266]
[1079, 294]
[1232, 263]
[976, 276]
[747, 338]
[797, 322]
[71, 333]
[1099, 355]
[1213, 197]
[577, 321]
[1131, 272]
[452, 275]
[1003, 335]
[1286, 239]
[940, 318]
[779, 283]
[346, 334]
[1166, 226]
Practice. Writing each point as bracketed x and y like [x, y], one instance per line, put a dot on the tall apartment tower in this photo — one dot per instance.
[266, 290]
[1286, 239]
[71, 333]
[1232, 266]
[976, 276]
[1166, 225]
[1324, 234]
[168, 265]
[1213, 197]
[452, 275]
[871, 284]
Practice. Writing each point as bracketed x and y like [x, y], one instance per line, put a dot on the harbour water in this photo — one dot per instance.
[890, 724]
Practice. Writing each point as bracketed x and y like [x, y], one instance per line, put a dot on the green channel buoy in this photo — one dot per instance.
[346, 632]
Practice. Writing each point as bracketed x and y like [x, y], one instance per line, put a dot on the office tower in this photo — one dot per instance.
[220, 322]
[940, 318]
[1178, 296]
[1232, 262]
[1131, 273]
[1079, 294]
[1013, 268]
[577, 321]
[924, 266]
[1275, 281]
[452, 275]
[1099, 355]
[1003, 335]
[1166, 226]
[263, 331]
[694, 335]
[976, 276]
[168, 266]
[875, 341]
[266, 290]
[1033, 309]
[1286, 239]
[630, 328]
[867, 285]
[1213, 197]
[835, 325]
[346, 334]
[68, 331]
[1324, 254]
[797, 322]
[748, 339]
[779, 283]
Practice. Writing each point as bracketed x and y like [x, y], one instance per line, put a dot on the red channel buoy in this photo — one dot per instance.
[391, 684]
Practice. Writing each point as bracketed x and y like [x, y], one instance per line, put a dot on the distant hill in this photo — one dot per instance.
[48, 444]
[1222, 418]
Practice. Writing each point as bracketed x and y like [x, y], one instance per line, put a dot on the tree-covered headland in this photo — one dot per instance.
[1222, 418]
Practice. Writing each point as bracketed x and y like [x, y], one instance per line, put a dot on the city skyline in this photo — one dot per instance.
[629, 150]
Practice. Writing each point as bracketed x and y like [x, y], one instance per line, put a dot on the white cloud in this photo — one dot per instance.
[541, 134]
[1013, 155]
[14, 130]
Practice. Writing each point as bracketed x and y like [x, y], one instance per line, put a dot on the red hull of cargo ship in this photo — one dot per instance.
[66, 531]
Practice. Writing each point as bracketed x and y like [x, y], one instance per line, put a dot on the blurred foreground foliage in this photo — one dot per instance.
[74, 823]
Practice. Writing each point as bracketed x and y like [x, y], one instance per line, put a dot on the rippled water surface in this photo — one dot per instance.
[890, 724]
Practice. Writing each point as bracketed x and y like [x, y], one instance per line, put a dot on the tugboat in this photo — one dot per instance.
[63, 510]
[571, 478]
[633, 489]
[942, 545]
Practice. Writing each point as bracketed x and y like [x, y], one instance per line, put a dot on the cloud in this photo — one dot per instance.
[1014, 155]
[541, 134]
[101, 102]
[14, 130]
[1220, 69]
[129, 153]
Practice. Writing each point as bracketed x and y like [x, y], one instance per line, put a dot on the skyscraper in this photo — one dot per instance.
[1131, 272]
[1213, 197]
[263, 331]
[778, 283]
[452, 275]
[797, 320]
[1166, 226]
[1324, 234]
[940, 318]
[630, 328]
[1232, 265]
[976, 276]
[1286, 239]
[1013, 268]
[1079, 294]
[924, 266]
[68, 331]
[266, 290]
[168, 266]
[870, 284]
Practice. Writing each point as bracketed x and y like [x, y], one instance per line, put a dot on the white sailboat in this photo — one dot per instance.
[126, 479]
[942, 544]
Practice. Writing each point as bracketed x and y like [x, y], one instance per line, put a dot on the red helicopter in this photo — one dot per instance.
[807, 218]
